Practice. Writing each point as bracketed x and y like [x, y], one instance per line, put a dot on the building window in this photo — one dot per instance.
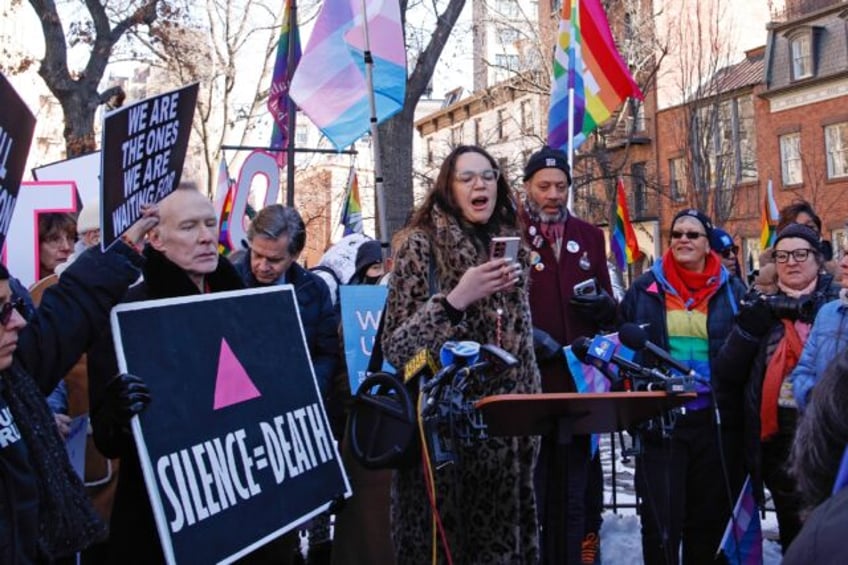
[456, 135]
[526, 118]
[477, 124]
[507, 35]
[802, 57]
[836, 147]
[508, 8]
[677, 178]
[505, 66]
[790, 159]
[431, 159]
[301, 136]
[639, 186]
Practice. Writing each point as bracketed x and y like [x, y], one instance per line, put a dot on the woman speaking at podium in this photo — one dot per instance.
[688, 299]
[485, 510]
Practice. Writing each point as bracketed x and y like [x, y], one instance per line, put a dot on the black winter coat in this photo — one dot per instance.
[43, 507]
[133, 537]
[320, 320]
[644, 306]
[741, 364]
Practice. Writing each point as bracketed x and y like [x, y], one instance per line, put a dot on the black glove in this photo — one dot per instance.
[755, 316]
[599, 307]
[545, 346]
[125, 396]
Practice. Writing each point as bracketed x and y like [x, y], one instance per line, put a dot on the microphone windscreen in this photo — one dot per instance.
[580, 348]
[632, 336]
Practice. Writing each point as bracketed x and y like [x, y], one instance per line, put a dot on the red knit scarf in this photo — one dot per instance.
[782, 362]
[692, 287]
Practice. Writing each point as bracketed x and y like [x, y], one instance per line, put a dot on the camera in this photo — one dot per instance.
[787, 308]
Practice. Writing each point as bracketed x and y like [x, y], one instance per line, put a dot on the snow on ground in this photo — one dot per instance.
[621, 542]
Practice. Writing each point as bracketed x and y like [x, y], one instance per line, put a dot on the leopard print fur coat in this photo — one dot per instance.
[485, 500]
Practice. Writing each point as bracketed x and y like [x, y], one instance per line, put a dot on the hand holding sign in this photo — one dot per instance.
[149, 220]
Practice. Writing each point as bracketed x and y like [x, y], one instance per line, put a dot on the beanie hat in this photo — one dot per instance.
[547, 158]
[720, 240]
[698, 215]
[369, 253]
[89, 218]
[800, 231]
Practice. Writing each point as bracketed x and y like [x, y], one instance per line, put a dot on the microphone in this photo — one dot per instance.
[580, 349]
[600, 351]
[634, 337]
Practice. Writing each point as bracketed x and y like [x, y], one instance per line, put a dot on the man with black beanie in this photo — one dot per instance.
[570, 297]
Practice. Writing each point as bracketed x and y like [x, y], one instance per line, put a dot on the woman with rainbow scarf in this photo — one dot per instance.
[688, 475]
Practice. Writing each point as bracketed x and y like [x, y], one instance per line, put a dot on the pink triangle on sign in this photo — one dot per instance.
[232, 385]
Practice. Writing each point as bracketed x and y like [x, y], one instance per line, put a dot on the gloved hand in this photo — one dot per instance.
[599, 307]
[546, 347]
[125, 396]
[755, 315]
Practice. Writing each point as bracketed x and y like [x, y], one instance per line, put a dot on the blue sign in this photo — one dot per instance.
[362, 306]
[235, 448]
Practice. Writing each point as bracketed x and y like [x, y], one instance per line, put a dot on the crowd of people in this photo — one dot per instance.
[769, 358]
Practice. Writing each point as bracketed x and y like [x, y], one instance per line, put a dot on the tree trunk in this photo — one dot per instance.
[396, 151]
[79, 108]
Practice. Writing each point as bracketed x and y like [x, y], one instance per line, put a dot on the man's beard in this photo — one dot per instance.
[545, 217]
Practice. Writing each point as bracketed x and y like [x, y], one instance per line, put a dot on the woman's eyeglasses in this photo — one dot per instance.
[691, 235]
[800, 255]
[486, 175]
[8, 307]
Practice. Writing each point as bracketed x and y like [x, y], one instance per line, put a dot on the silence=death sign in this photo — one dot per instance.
[16, 127]
[235, 447]
[144, 147]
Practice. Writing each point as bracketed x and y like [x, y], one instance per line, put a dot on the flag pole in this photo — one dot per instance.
[292, 108]
[572, 66]
[375, 138]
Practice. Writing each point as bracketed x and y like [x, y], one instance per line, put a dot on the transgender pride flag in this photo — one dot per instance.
[742, 543]
[329, 83]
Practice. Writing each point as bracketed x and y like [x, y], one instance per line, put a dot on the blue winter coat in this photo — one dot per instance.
[828, 336]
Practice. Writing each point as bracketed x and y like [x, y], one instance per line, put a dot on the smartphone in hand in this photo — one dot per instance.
[504, 247]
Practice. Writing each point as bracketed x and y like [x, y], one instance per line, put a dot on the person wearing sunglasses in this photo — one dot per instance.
[688, 301]
[722, 243]
[761, 353]
[44, 511]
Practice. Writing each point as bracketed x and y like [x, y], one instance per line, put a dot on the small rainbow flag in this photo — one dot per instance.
[352, 212]
[278, 97]
[227, 189]
[586, 61]
[768, 222]
[624, 245]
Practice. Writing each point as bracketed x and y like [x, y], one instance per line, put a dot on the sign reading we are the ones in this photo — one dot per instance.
[144, 147]
[235, 447]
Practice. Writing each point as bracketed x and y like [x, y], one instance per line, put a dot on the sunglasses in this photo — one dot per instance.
[730, 252]
[691, 235]
[8, 307]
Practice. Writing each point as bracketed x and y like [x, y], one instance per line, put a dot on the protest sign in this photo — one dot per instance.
[34, 198]
[17, 125]
[83, 171]
[235, 448]
[144, 146]
[257, 164]
[361, 307]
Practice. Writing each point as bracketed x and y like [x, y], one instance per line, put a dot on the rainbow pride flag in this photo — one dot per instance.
[278, 97]
[768, 222]
[586, 61]
[225, 194]
[624, 245]
[351, 217]
[329, 85]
